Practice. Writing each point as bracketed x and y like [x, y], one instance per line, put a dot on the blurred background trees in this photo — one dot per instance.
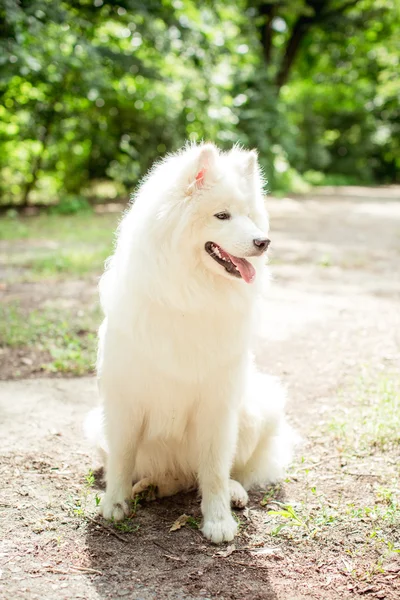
[92, 91]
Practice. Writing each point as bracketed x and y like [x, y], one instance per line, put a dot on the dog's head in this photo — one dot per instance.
[198, 223]
[225, 213]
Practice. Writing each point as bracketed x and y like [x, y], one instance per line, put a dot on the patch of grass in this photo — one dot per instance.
[372, 423]
[126, 526]
[67, 262]
[85, 228]
[16, 330]
[193, 523]
[325, 261]
[56, 246]
[90, 479]
[36, 263]
[271, 493]
[315, 516]
[310, 517]
[70, 339]
[365, 526]
[79, 504]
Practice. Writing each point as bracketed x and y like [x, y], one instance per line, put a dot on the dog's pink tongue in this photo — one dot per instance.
[246, 269]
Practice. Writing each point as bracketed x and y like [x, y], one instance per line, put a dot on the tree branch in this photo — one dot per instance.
[267, 11]
[299, 30]
[301, 27]
[339, 9]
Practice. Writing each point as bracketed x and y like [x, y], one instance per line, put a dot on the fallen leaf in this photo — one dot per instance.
[180, 522]
[246, 513]
[393, 565]
[230, 550]
[368, 589]
[273, 552]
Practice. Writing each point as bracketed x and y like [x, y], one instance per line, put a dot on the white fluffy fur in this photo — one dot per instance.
[183, 405]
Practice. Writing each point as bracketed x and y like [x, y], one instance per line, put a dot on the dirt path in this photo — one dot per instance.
[333, 314]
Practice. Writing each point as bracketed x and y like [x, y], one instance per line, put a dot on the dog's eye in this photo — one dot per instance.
[223, 216]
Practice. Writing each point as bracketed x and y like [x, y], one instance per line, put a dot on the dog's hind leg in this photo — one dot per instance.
[162, 487]
[239, 496]
[265, 441]
[142, 485]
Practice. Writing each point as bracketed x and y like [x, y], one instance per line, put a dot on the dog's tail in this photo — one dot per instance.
[266, 440]
[94, 431]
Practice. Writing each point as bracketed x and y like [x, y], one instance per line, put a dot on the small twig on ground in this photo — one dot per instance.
[166, 553]
[173, 557]
[243, 564]
[8, 559]
[72, 569]
[197, 533]
[361, 474]
[347, 566]
[108, 529]
[87, 570]
[57, 571]
[316, 464]
[160, 546]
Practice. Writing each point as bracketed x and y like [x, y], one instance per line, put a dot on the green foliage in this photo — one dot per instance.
[126, 526]
[375, 424]
[75, 229]
[70, 205]
[59, 247]
[66, 263]
[93, 92]
[195, 523]
[69, 339]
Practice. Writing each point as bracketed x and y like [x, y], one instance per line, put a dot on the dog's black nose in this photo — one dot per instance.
[261, 244]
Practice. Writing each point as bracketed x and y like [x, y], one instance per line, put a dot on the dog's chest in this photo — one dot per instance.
[193, 345]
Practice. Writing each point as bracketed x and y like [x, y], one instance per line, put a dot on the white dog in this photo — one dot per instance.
[183, 405]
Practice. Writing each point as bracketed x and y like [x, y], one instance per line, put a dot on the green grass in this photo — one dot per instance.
[68, 262]
[56, 246]
[372, 423]
[69, 338]
[193, 522]
[325, 261]
[322, 521]
[85, 228]
[310, 517]
[368, 433]
[126, 526]
[79, 505]
[269, 495]
[316, 513]
[51, 248]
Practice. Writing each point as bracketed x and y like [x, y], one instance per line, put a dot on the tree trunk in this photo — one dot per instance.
[298, 32]
[322, 13]
[38, 162]
[267, 11]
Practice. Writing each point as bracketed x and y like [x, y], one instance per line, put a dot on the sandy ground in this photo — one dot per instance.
[333, 307]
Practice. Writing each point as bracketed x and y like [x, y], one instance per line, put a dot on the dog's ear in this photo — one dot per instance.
[246, 162]
[250, 166]
[206, 161]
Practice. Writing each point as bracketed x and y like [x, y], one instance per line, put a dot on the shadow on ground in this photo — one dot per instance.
[173, 561]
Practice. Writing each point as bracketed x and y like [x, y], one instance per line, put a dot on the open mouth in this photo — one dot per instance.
[238, 267]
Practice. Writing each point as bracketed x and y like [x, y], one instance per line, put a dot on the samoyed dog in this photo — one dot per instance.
[183, 405]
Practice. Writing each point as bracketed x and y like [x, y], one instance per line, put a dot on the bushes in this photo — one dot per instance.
[97, 90]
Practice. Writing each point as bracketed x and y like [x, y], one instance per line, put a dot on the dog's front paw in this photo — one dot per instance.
[221, 530]
[114, 511]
